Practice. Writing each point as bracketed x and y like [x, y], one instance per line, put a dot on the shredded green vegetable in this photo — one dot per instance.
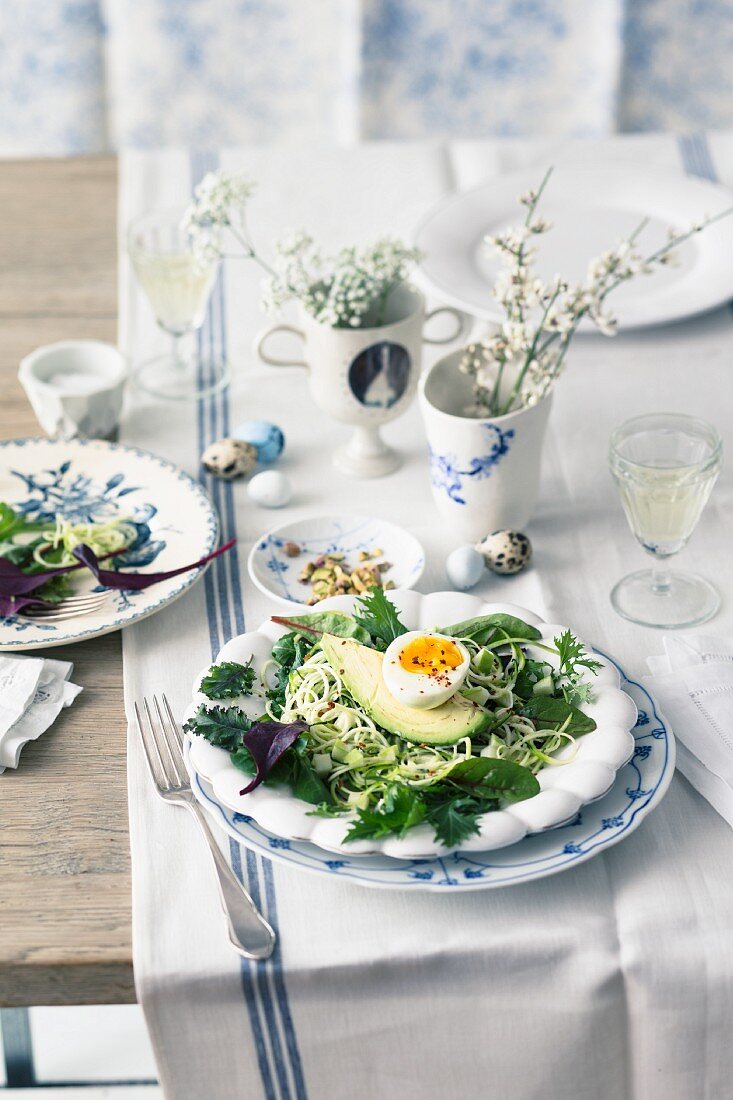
[102, 537]
[359, 761]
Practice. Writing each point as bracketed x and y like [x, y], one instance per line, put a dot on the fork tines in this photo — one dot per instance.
[163, 743]
[67, 608]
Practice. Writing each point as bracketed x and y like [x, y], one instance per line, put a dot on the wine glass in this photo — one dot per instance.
[178, 285]
[665, 466]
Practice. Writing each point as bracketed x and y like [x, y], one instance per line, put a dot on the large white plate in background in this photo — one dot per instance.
[591, 209]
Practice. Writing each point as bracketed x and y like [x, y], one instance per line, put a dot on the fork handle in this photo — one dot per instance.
[249, 933]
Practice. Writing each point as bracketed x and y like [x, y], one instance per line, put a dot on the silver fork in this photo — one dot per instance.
[68, 608]
[249, 933]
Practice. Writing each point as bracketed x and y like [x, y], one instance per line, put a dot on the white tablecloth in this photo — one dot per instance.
[612, 980]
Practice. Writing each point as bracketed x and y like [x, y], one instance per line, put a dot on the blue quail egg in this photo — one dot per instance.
[271, 489]
[506, 552]
[465, 567]
[266, 438]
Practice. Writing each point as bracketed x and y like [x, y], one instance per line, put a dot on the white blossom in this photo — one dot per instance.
[348, 290]
[542, 318]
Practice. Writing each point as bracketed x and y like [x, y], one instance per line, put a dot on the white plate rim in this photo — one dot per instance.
[523, 179]
[187, 580]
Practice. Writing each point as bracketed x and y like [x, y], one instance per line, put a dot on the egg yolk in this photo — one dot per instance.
[430, 656]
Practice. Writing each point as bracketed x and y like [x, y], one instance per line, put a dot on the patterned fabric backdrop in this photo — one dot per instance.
[86, 75]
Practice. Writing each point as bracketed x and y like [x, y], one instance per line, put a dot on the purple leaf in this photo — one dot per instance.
[14, 582]
[266, 742]
[11, 605]
[115, 578]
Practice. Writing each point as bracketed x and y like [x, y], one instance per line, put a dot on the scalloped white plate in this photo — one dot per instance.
[564, 789]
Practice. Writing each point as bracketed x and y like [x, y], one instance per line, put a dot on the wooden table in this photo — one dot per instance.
[64, 851]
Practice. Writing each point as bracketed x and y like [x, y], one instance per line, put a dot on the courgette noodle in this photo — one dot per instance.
[103, 538]
[358, 761]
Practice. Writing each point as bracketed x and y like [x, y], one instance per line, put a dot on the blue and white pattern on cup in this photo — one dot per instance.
[447, 473]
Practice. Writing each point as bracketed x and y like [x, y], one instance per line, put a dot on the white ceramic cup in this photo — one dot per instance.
[75, 387]
[364, 376]
[484, 472]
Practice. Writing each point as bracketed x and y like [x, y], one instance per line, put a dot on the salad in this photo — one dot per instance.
[39, 558]
[392, 728]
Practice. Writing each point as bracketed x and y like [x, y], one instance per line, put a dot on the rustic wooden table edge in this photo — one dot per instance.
[65, 908]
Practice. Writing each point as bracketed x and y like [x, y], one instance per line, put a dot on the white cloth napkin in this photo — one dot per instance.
[693, 683]
[33, 691]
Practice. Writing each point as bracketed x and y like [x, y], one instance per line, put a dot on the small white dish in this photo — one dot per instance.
[276, 574]
[582, 778]
[590, 209]
[76, 387]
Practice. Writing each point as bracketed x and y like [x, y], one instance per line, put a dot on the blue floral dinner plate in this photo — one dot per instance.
[640, 785]
[87, 480]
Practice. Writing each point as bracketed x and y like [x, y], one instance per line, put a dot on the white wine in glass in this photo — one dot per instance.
[178, 285]
[665, 467]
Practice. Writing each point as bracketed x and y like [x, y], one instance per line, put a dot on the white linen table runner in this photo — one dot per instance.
[613, 980]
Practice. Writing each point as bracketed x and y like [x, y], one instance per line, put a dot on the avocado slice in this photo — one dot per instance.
[361, 670]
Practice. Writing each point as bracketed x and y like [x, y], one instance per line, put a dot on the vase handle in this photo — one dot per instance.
[262, 338]
[462, 320]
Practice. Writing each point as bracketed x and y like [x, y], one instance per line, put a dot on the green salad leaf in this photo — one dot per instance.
[329, 622]
[377, 615]
[549, 713]
[490, 628]
[221, 726]
[401, 809]
[456, 819]
[228, 680]
[490, 778]
[15, 523]
[288, 653]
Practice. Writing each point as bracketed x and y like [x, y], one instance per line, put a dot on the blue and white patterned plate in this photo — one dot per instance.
[640, 785]
[89, 480]
[276, 574]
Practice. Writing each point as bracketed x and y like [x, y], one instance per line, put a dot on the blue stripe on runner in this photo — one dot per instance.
[696, 157]
[282, 995]
[208, 405]
[229, 497]
[261, 973]
[209, 574]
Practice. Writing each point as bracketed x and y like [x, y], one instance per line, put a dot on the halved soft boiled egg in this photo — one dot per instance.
[423, 670]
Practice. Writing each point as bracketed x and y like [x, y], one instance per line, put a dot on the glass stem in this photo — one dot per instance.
[661, 578]
[176, 351]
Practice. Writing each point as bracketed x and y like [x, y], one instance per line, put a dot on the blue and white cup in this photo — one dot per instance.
[484, 472]
[364, 376]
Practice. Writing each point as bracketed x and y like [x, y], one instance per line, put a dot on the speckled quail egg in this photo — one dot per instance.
[229, 458]
[424, 670]
[465, 567]
[267, 439]
[271, 489]
[505, 551]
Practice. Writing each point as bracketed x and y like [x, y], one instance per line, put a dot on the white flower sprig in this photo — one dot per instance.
[219, 203]
[348, 290]
[518, 363]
